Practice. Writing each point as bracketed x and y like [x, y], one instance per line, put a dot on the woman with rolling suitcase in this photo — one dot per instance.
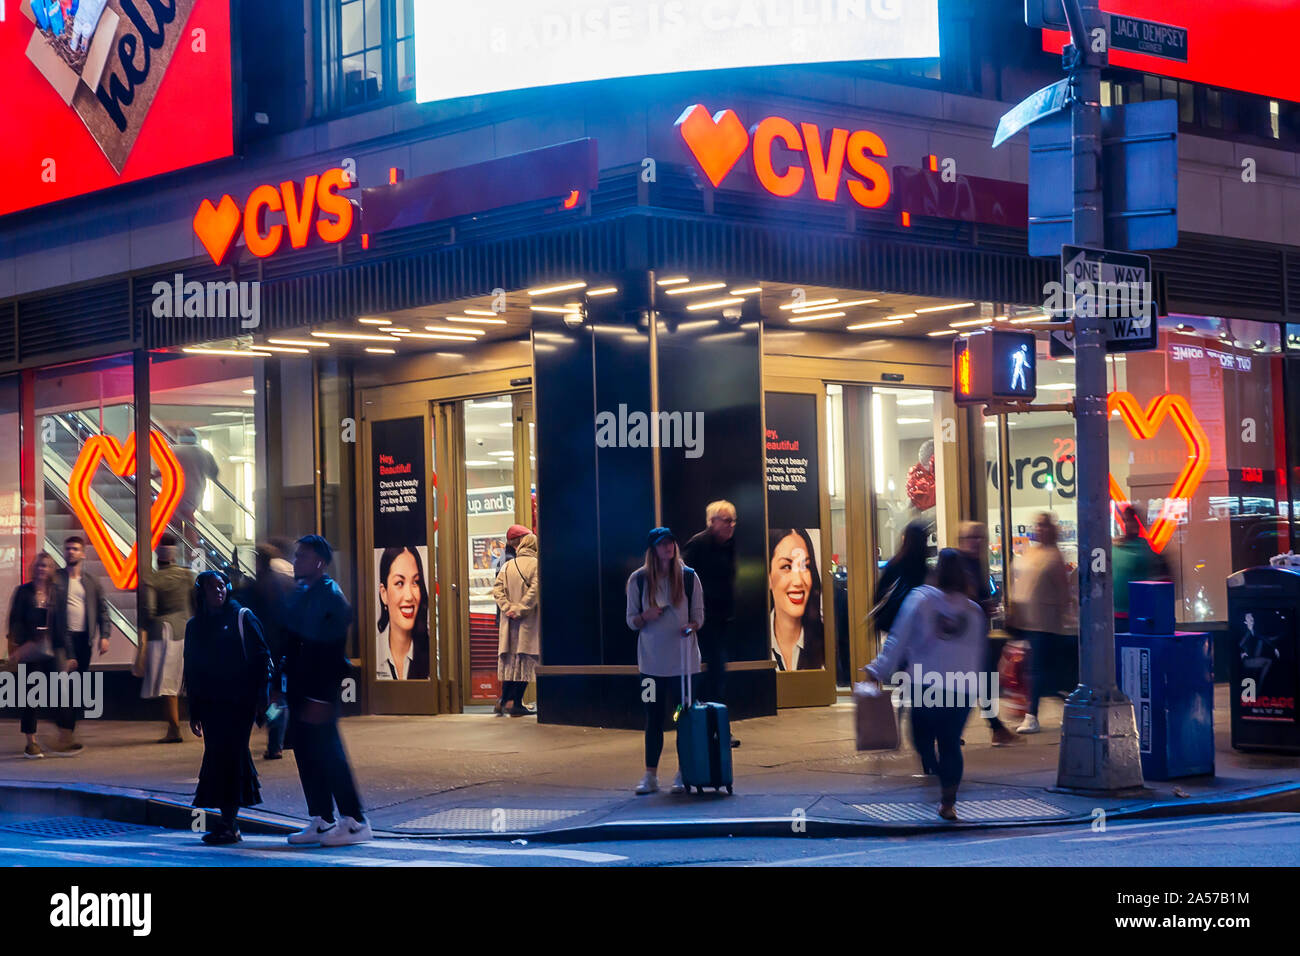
[665, 606]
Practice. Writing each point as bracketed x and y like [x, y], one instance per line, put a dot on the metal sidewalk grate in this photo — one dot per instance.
[487, 819]
[73, 827]
[966, 810]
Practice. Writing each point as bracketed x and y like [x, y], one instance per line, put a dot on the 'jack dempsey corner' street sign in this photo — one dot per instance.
[1115, 286]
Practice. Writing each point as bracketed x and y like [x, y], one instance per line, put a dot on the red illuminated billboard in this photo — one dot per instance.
[1246, 45]
[103, 92]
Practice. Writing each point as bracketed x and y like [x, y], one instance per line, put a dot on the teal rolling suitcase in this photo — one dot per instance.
[703, 742]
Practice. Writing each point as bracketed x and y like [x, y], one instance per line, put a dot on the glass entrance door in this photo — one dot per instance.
[887, 469]
[498, 491]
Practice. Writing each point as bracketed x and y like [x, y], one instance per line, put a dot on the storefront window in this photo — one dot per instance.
[204, 407]
[11, 497]
[85, 413]
[338, 443]
[1197, 446]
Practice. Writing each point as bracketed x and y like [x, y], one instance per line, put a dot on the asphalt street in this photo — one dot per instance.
[1264, 839]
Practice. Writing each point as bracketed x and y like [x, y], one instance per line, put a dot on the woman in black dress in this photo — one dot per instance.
[228, 679]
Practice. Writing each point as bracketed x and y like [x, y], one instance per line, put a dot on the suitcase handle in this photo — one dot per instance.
[686, 676]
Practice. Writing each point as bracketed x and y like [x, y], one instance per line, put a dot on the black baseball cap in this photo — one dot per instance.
[658, 536]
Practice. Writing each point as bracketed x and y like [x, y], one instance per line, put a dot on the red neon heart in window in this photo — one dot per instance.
[121, 460]
[1145, 424]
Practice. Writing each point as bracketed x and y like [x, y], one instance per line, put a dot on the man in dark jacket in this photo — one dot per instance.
[973, 543]
[316, 635]
[80, 615]
[712, 555]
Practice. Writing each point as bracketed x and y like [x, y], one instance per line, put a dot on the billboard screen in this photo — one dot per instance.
[1245, 45]
[103, 92]
[468, 49]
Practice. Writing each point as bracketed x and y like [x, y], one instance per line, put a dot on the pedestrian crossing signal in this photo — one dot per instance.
[993, 365]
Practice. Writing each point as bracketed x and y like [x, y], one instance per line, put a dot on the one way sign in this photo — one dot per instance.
[1113, 286]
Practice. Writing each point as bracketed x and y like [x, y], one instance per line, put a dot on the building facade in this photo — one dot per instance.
[590, 310]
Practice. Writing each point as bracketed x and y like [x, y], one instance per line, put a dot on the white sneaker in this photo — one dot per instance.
[649, 784]
[311, 834]
[678, 786]
[1029, 725]
[347, 833]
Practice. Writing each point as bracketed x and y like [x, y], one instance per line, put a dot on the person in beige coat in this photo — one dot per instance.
[1041, 607]
[520, 645]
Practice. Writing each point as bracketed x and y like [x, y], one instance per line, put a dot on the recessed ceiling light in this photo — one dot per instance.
[305, 343]
[1030, 319]
[453, 330]
[555, 309]
[836, 305]
[354, 336]
[882, 323]
[439, 336]
[791, 306]
[480, 312]
[375, 321]
[945, 308]
[250, 391]
[675, 280]
[713, 304]
[477, 319]
[967, 323]
[702, 287]
[814, 317]
[380, 351]
[293, 349]
[603, 290]
[902, 315]
[941, 332]
[564, 287]
[748, 290]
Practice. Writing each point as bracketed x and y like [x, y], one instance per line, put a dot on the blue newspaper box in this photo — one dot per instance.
[1170, 679]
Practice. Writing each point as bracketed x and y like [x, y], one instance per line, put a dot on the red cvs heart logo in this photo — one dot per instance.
[1143, 424]
[716, 142]
[216, 226]
[120, 459]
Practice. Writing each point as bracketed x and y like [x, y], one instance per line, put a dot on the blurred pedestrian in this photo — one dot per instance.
[199, 467]
[519, 641]
[168, 606]
[316, 633]
[665, 606]
[973, 543]
[30, 637]
[939, 634]
[227, 673]
[903, 572]
[80, 616]
[712, 555]
[1040, 607]
[267, 596]
[1132, 559]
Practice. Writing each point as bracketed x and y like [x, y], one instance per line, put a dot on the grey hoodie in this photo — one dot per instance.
[943, 633]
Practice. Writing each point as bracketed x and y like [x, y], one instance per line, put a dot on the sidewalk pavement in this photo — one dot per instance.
[479, 776]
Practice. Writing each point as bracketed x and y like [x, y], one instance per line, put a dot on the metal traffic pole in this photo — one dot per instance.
[1099, 743]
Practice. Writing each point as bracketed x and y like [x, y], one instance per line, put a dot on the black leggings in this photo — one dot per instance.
[936, 734]
[513, 690]
[664, 692]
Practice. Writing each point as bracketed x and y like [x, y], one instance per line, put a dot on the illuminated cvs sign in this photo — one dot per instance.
[316, 207]
[788, 158]
[993, 365]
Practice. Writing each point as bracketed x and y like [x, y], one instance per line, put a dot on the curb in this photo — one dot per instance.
[147, 808]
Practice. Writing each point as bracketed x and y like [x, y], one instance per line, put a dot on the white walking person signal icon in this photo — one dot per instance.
[1020, 364]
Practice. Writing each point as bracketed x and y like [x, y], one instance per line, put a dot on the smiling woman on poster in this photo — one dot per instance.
[797, 636]
[402, 652]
